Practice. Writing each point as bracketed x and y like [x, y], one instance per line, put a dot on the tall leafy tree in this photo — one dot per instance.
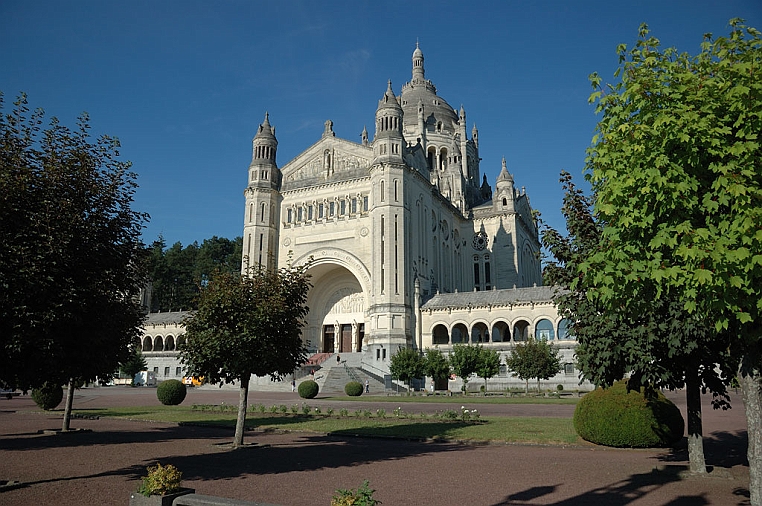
[71, 259]
[660, 345]
[407, 364]
[248, 324]
[489, 365]
[436, 363]
[535, 359]
[676, 169]
[464, 361]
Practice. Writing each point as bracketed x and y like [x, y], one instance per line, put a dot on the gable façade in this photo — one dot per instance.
[328, 160]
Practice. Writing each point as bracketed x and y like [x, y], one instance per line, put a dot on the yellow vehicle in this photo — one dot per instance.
[194, 381]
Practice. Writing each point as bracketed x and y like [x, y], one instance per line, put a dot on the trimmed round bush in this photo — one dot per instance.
[353, 389]
[171, 392]
[308, 389]
[48, 396]
[616, 417]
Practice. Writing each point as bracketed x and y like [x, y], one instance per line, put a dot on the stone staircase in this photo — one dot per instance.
[335, 375]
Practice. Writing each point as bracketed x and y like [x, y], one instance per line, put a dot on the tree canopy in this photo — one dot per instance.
[248, 324]
[534, 359]
[178, 272]
[676, 170]
[437, 365]
[464, 361]
[71, 258]
[407, 364]
[489, 365]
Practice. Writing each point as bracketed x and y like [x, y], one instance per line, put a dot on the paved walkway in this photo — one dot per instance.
[104, 465]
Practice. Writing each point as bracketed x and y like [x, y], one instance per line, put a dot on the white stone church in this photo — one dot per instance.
[412, 247]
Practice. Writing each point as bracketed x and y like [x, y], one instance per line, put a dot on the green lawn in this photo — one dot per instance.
[459, 399]
[376, 423]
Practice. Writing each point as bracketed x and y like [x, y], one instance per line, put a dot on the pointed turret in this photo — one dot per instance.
[504, 192]
[389, 141]
[263, 170]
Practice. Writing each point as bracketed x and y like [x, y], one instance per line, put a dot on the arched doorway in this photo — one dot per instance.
[336, 322]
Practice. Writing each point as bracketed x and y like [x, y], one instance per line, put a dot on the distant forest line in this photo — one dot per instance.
[178, 272]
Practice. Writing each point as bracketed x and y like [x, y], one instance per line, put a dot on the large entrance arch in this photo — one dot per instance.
[336, 321]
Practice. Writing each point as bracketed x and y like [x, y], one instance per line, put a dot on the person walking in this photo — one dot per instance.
[367, 386]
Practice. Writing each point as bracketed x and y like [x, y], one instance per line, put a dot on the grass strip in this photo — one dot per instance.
[535, 430]
[456, 399]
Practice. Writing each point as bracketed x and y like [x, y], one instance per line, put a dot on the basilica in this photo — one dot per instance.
[411, 245]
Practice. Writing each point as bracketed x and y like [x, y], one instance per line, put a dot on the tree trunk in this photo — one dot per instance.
[751, 387]
[243, 396]
[67, 406]
[538, 386]
[695, 429]
[526, 387]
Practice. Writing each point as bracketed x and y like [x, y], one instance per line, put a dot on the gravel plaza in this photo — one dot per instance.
[102, 465]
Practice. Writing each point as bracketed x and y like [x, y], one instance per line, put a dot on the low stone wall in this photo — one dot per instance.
[209, 500]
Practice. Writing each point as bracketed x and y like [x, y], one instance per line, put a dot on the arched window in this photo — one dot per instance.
[501, 332]
[147, 344]
[158, 344]
[479, 333]
[563, 330]
[180, 341]
[459, 334]
[544, 330]
[521, 330]
[169, 344]
[439, 335]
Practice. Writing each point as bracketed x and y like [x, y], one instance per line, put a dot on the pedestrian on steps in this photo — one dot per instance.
[367, 386]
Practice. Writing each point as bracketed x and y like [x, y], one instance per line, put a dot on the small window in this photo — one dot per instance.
[320, 210]
[289, 215]
[331, 208]
[309, 213]
[568, 368]
[365, 203]
[354, 206]
[299, 214]
[156, 370]
[178, 371]
[166, 371]
[343, 208]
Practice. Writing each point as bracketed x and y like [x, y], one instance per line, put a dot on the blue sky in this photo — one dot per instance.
[184, 85]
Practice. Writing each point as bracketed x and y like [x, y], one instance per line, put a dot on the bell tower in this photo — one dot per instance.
[260, 229]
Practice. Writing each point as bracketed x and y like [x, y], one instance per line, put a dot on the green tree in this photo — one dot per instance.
[133, 365]
[534, 359]
[437, 365]
[676, 170]
[177, 273]
[464, 361]
[660, 346]
[248, 324]
[71, 259]
[489, 365]
[407, 364]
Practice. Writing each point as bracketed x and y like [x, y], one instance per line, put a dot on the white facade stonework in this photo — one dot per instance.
[411, 245]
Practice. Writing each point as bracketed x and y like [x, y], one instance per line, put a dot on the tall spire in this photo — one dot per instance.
[418, 71]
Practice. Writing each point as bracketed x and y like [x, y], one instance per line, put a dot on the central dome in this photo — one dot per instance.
[438, 114]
